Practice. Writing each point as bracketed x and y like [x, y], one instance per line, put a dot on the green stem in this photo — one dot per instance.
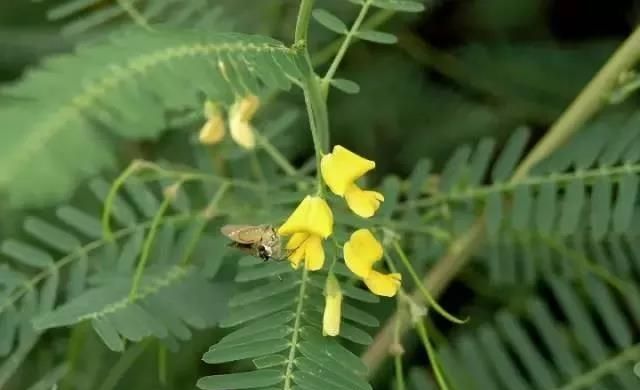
[459, 252]
[400, 385]
[135, 15]
[592, 97]
[425, 293]
[162, 364]
[276, 156]
[605, 368]
[431, 353]
[396, 351]
[316, 105]
[326, 53]
[343, 47]
[74, 348]
[111, 196]
[481, 192]
[288, 375]
[317, 145]
[302, 23]
[146, 248]
[125, 362]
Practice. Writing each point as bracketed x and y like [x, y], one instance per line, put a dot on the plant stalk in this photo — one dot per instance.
[592, 97]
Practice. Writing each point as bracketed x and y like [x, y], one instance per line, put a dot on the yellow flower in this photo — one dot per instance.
[363, 203]
[312, 216]
[332, 307]
[386, 285]
[307, 247]
[240, 115]
[361, 252]
[213, 130]
[340, 169]
[308, 225]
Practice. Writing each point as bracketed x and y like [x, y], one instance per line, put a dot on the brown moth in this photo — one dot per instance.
[261, 241]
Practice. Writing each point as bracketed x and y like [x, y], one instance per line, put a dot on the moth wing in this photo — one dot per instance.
[244, 234]
[246, 248]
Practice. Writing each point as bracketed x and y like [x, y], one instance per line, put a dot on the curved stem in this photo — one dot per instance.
[111, 196]
[146, 248]
[431, 352]
[459, 252]
[425, 293]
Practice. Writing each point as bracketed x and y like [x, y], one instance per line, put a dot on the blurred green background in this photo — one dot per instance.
[462, 69]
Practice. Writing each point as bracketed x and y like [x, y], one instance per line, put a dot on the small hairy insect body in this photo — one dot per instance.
[261, 241]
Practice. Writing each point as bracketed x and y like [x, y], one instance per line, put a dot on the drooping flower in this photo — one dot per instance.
[308, 225]
[340, 169]
[363, 203]
[361, 252]
[307, 247]
[240, 115]
[212, 132]
[385, 285]
[331, 316]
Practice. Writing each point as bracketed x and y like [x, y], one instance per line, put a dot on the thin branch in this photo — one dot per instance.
[134, 14]
[592, 97]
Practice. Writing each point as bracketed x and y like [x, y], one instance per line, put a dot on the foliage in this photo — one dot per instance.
[114, 273]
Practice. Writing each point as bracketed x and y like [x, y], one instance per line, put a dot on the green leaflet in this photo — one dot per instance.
[484, 358]
[573, 209]
[283, 329]
[45, 140]
[241, 380]
[163, 306]
[155, 311]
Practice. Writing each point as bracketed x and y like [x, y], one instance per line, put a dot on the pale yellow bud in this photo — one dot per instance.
[242, 134]
[332, 308]
[245, 108]
[213, 130]
[240, 115]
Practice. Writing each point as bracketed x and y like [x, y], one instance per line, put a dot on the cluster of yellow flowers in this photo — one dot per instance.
[312, 222]
[240, 115]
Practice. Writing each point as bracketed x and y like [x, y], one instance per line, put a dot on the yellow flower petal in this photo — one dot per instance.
[363, 203]
[332, 308]
[242, 133]
[361, 252]
[212, 132]
[296, 240]
[244, 109]
[314, 253]
[297, 256]
[342, 167]
[307, 247]
[386, 285]
[312, 216]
